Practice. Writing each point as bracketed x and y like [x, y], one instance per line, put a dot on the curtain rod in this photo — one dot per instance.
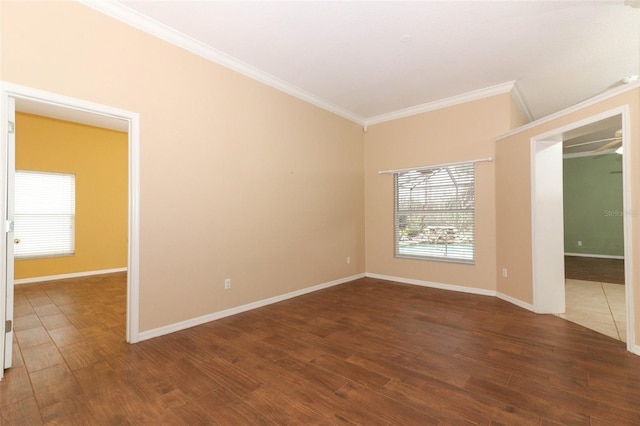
[480, 160]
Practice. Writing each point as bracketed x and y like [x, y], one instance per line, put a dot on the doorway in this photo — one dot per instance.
[594, 228]
[46, 104]
[547, 217]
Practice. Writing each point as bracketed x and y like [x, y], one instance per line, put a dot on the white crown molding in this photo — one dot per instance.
[444, 103]
[577, 107]
[137, 20]
[143, 23]
[519, 98]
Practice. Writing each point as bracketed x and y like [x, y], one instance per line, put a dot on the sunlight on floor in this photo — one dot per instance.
[598, 306]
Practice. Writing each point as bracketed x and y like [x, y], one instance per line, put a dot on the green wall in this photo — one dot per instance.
[593, 205]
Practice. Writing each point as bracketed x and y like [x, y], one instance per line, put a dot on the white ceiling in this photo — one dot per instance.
[370, 59]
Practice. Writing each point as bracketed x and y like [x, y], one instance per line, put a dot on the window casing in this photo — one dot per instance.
[44, 216]
[435, 213]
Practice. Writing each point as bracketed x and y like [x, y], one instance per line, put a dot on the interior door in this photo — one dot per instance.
[11, 169]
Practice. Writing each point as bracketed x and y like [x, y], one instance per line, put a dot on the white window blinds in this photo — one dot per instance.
[435, 213]
[44, 216]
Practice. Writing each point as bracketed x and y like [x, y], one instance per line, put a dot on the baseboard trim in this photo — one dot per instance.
[599, 256]
[461, 289]
[65, 276]
[517, 302]
[430, 284]
[183, 325]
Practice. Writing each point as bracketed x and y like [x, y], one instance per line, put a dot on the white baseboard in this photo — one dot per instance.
[462, 289]
[450, 287]
[161, 331]
[65, 276]
[515, 301]
[599, 256]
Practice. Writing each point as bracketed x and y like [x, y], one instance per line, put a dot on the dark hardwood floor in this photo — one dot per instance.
[368, 352]
[594, 269]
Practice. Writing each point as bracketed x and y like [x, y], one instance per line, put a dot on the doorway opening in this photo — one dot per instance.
[44, 104]
[594, 228]
[550, 241]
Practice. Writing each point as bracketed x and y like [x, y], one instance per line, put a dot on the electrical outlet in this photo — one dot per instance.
[348, 260]
[504, 272]
[579, 243]
[227, 284]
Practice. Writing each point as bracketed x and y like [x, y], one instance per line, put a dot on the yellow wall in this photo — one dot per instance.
[98, 158]
[458, 133]
[513, 185]
[237, 179]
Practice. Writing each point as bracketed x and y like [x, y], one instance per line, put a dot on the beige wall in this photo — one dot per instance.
[237, 179]
[513, 198]
[98, 159]
[457, 133]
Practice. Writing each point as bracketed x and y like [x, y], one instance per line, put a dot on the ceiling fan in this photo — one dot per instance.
[615, 141]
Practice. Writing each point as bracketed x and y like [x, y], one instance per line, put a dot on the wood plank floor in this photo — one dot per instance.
[368, 352]
[594, 269]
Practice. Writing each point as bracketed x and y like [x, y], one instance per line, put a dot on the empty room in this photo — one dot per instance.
[317, 212]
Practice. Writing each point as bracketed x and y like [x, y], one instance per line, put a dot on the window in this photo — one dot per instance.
[44, 217]
[434, 213]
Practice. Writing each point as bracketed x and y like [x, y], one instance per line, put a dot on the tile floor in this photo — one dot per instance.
[597, 306]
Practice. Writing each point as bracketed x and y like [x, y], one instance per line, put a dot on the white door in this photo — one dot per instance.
[11, 166]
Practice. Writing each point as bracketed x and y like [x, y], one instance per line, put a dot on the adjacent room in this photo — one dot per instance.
[320, 212]
[594, 227]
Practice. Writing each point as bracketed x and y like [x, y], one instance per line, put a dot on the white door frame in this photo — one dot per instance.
[10, 90]
[547, 225]
[7, 337]
[546, 215]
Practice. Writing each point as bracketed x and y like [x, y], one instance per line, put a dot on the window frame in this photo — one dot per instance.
[428, 252]
[69, 215]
